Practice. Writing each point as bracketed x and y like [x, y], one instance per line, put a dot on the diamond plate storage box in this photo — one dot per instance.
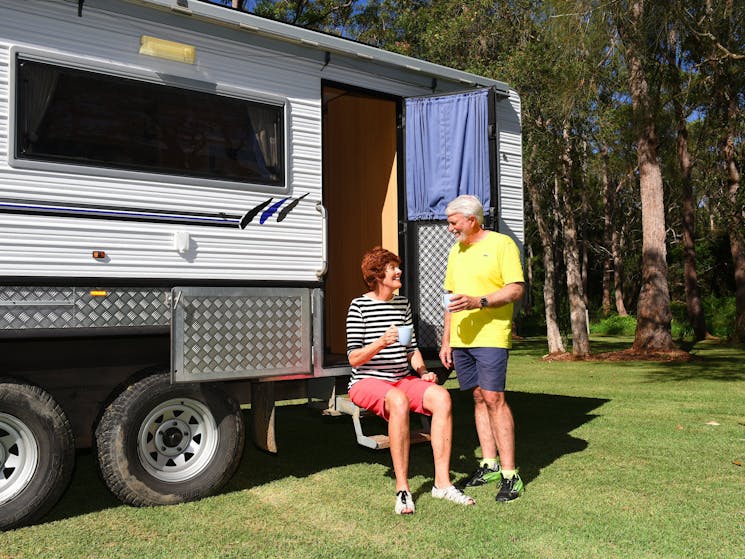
[51, 308]
[228, 333]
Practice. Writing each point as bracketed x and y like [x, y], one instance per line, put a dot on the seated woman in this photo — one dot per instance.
[382, 382]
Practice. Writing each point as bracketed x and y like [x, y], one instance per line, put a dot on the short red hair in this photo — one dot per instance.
[374, 263]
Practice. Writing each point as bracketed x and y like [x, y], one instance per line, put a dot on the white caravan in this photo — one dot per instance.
[185, 194]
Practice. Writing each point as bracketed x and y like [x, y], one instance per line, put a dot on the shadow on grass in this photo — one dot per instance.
[715, 361]
[724, 366]
[310, 443]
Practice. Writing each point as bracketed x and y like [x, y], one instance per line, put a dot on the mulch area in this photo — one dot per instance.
[630, 354]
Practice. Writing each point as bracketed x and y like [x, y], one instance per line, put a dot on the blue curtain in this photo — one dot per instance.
[446, 152]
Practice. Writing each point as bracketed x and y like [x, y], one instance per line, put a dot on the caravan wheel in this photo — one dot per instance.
[160, 443]
[37, 453]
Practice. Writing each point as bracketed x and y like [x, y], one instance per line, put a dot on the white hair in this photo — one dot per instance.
[467, 205]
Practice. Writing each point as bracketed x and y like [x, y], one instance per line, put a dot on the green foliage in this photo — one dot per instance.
[720, 315]
[615, 325]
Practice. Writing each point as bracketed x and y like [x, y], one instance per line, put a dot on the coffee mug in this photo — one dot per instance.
[404, 334]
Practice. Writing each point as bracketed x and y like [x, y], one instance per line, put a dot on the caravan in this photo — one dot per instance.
[185, 194]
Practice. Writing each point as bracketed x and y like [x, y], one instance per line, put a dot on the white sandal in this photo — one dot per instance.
[453, 494]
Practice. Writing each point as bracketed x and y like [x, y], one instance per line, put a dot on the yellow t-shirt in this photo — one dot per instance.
[476, 270]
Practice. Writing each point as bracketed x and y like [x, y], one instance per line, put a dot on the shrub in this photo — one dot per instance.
[720, 315]
[615, 325]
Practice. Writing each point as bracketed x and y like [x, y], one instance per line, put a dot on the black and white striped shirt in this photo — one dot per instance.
[367, 320]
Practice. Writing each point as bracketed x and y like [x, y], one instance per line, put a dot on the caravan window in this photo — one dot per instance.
[74, 116]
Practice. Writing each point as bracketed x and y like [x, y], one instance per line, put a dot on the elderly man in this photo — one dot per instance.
[485, 276]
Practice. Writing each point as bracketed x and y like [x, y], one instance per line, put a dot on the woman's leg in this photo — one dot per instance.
[437, 401]
[397, 409]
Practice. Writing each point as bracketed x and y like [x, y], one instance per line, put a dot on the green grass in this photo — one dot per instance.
[618, 458]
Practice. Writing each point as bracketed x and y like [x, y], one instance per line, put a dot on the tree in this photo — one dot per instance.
[636, 28]
[553, 333]
[725, 34]
[675, 78]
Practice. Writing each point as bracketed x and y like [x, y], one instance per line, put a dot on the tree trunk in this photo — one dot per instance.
[653, 310]
[584, 229]
[607, 232]
[736, 225]
[577, 308]
[693, 295]
[688, 208]
[553, 334]
[529, 271]
[618, 274]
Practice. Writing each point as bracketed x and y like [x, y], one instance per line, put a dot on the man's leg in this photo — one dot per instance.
[484, 430]
[501, 426]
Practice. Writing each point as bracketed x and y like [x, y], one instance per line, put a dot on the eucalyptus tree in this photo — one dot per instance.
[637, 24]
[331, 16]
[681, 81]
[720, 26]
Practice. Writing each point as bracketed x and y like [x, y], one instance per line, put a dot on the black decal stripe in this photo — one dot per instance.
[250, 214]
[283, 214]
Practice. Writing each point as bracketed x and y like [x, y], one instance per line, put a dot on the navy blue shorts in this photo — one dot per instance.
[485, 367]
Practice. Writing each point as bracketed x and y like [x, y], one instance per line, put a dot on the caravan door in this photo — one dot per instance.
[390, 166]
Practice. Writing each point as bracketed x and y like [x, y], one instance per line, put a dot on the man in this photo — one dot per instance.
[484, 274]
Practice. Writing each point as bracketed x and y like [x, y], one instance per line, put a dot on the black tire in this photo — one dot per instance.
[37, 453]
[200, 435]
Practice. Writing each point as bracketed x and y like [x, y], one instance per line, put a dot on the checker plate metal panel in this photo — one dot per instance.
[49, 307]
[432, 242]
[230, 333]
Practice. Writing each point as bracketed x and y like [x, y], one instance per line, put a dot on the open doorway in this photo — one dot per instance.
[360, 182]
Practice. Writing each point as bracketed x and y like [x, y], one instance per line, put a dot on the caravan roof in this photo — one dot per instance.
[330, 44]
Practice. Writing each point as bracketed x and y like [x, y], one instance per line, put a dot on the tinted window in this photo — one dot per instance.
[87, 118]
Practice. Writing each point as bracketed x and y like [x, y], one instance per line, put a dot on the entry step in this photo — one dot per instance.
[344, 405]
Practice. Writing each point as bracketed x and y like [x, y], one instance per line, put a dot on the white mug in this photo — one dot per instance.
[404, 334]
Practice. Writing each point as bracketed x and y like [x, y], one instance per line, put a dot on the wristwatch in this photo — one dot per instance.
[484, 302]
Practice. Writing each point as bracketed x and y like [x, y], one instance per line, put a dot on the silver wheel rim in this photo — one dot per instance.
[19, 456]
[177, 440]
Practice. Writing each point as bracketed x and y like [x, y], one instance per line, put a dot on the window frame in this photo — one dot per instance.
[189, 80]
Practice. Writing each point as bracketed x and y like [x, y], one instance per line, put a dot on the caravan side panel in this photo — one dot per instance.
[45, 230]
[511, 218]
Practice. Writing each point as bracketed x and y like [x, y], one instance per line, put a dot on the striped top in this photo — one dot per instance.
[367, 320]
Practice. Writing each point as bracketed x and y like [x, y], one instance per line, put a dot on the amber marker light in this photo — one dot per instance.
[98, 254]
[98, 293]
[168, 50]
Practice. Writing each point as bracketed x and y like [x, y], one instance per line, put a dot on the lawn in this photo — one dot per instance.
[628, 459]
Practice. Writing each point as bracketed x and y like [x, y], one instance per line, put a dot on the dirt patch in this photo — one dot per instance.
[630, 354]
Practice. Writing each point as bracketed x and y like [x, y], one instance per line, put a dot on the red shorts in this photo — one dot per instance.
[369, 393]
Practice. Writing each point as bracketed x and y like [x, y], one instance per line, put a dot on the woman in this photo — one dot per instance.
[382, 382]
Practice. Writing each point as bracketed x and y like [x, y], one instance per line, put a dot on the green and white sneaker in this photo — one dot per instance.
[510, 489]
[484, 475]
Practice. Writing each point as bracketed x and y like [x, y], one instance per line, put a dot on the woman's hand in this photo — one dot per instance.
[429, 377]
[390, 336]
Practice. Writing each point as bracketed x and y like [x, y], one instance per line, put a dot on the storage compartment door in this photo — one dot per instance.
[238, 333]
